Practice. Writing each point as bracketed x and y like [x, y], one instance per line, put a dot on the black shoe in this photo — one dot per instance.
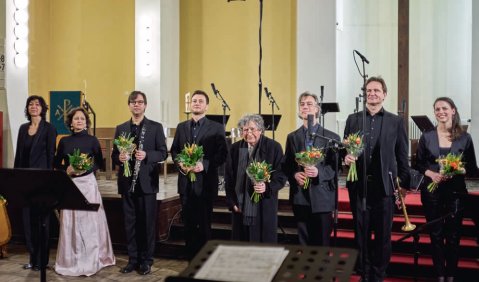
[128, 268]
[144, 269]
[36, 268]
[27, 266]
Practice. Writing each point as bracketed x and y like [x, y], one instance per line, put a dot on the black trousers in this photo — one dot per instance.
[314, 229]
[374, 255]
[139, 211]
[445, 234]
[196, 216]
[32, 227]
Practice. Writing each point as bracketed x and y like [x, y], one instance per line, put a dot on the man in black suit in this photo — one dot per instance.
[197, 197]
[312, 206]
[386, 151]
[139, 200]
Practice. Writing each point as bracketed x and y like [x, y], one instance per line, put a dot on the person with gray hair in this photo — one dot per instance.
[253, 222]
[312, 205]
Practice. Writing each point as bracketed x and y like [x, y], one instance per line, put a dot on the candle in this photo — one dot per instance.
[187, 102]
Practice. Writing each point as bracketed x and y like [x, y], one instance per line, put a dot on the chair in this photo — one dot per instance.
[170, 134]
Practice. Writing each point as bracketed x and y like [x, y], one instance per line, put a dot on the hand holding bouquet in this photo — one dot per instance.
[188, 157]
[258, 172]
[125, 145]
[354, 145]
[311, 157]
[80, 162]
[449, 166]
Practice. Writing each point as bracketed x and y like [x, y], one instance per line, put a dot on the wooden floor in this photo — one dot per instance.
[11, 269]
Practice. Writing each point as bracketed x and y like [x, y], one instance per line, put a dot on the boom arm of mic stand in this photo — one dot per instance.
[272, 101]
[337, 144]
[223, 102]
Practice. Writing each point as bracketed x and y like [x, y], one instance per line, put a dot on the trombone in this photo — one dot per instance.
[408, 226]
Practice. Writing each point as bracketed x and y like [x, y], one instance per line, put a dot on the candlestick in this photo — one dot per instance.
[187, 102]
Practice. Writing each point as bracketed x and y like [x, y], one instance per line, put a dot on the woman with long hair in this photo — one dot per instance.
[447, 200]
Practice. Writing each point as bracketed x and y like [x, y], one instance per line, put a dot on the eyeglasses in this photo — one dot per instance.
[251, 129]
[141, 102]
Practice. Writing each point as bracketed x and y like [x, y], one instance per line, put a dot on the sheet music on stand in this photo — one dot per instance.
[242, 263]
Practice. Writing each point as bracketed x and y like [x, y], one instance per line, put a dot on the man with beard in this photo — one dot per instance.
[197, 197]
[139, 201]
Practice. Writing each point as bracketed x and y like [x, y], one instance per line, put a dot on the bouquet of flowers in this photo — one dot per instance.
[311, 157]
[354, 145]
[258, 172]
[189, 156]
[125, 144]
[80, 162]
[449, 166]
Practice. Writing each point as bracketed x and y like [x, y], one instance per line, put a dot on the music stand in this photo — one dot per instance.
[219, 118]
[329, 108]
[332, 264]
[423, 123]
[44, 190]
[271, 122]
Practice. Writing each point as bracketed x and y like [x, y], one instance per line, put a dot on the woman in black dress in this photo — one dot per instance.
[84, 245]
[448, 197]
[35, 149]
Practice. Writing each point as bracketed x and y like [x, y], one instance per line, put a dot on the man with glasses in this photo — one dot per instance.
[254, 221]
[138, 190]
[197, 197]
[313, 203]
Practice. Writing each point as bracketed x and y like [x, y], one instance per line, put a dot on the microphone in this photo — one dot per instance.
[404, 105]
[357, 104]
[310, 126]
[267, 92]
[362, 57]
[322, 92]
[214, 89]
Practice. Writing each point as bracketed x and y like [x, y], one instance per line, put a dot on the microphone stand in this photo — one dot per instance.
[260, 82]
[321, 96]
[335, 145]
[415, 235]
[224, 105]
[364, 175]
[272, 102]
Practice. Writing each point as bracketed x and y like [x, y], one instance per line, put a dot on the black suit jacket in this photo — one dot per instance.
[212, 137]
[155, 147]
[428, 152]
[42, 151]
[393, 150]
[320, 194]
[269, 151]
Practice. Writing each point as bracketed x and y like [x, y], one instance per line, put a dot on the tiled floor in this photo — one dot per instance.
[11, 269]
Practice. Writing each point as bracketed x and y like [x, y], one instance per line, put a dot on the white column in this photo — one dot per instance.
[316, 51]
[475, 77]
[16, 82]
[157, 58]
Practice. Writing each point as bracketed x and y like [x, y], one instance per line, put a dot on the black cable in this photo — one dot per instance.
[260, 82]
[169, 227]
